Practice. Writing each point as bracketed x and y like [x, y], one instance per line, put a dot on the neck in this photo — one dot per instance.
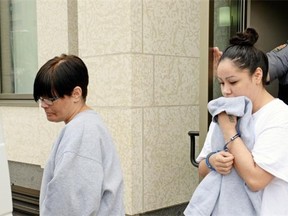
[261, 100]
[81, 108]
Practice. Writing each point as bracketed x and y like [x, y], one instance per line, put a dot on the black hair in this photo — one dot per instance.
[244, 54]
[59, 76]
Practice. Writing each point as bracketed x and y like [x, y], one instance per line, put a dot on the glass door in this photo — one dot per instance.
[228, 17]
[220, 20]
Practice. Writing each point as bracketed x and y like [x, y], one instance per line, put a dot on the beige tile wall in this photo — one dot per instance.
[143, 60]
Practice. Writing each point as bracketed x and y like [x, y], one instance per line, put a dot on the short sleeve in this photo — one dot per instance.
[278, 63]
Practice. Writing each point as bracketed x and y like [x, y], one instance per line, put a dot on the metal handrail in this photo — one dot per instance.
[192, 135]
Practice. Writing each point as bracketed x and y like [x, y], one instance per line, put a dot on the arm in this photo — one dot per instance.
[278, 62]
[222, 161]
[255, 177]
[76, 187]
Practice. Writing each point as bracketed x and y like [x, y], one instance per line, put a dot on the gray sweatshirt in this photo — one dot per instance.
[83, 175]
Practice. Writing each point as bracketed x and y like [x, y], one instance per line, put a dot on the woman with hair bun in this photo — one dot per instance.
[243, 163]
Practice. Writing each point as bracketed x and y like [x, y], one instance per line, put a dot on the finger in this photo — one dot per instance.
[225, 166]
[216, 52]
[224, 171]
[226, 156]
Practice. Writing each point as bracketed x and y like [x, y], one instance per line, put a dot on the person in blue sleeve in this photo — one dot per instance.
[83, 174]
[278, 69]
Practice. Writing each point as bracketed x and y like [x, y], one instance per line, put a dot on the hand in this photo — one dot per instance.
[222, 162]
[216, 57]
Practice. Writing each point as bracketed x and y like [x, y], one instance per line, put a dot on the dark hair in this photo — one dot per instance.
[59, 76]
[244, 54]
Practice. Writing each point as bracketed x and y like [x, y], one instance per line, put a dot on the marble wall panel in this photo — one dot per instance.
[110, 80]
[120, 80]
[136, 26]
[52, 29]
[176, 80]
[142, 80]
[17, 126]
[168, 176]
[28, 135]
[171, 27]
[106, 26]
[125, 126]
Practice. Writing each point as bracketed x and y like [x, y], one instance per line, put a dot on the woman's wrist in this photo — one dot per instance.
[231, 139]
[228, 134]
[207, 160]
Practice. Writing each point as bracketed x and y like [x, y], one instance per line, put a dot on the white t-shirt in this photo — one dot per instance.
[270, 152]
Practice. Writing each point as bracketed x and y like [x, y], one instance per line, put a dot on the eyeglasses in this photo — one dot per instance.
[48, 101]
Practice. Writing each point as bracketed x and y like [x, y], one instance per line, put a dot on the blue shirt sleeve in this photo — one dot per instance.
[278, 64]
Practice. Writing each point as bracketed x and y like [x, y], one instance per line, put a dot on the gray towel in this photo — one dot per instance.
[227, 195]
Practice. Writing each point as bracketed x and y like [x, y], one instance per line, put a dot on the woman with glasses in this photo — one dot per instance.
[83, 174]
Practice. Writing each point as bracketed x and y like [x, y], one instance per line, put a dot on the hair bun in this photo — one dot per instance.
[247, 38]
